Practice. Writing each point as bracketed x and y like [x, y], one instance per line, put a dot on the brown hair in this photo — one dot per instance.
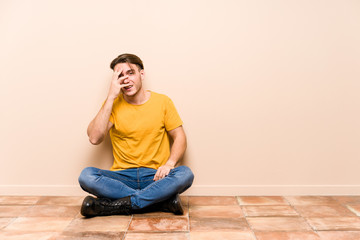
[127, 58]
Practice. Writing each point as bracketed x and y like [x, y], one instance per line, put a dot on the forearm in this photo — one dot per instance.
[98, 126]
[177, 150]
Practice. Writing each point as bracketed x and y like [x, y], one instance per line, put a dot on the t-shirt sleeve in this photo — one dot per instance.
[172, 118]
[111, 119]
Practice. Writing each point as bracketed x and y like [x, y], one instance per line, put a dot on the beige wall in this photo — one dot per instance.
[268, 90]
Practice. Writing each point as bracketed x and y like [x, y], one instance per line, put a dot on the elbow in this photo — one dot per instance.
[95, 137]
[185, 139]
[95, 140]
[185, 143]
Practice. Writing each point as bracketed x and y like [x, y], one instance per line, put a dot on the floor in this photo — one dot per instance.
[245, 217]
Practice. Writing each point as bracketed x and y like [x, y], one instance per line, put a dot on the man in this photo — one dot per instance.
[140, 122]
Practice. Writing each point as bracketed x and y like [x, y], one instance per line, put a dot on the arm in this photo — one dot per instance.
[176, 153]
[100, 125]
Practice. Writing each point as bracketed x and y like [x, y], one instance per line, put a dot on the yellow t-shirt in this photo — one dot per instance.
[139, 135]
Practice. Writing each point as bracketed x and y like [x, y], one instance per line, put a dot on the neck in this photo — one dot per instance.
[139, 98]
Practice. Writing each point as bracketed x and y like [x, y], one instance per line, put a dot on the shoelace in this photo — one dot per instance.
[115, 205]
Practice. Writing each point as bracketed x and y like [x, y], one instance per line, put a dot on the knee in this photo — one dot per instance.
[87, 175]
[186, 174]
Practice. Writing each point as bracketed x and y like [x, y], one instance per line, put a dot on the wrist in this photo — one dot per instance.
[111, 98]
[170, 167]
[170, 164]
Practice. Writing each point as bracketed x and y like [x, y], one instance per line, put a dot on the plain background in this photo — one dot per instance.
[268, 90]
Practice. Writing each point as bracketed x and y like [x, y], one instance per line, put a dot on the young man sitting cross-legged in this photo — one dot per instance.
[140, 123]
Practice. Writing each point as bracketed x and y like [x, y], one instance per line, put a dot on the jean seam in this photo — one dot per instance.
[118, 177]
[138, 178]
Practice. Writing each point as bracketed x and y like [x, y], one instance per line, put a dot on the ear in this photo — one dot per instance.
[142, 74]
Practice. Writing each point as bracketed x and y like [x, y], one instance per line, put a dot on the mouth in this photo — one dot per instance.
[128, 87]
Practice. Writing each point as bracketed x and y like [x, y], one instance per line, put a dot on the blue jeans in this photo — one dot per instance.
[137, 183]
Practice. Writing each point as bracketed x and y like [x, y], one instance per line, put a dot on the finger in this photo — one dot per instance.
[119, 70]
[164, 173]
[125, 85]
[156, 176]
[122, 79]
[116, 74]
[159, 174]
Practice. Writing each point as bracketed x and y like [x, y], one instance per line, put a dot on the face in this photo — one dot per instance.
[134, 77]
